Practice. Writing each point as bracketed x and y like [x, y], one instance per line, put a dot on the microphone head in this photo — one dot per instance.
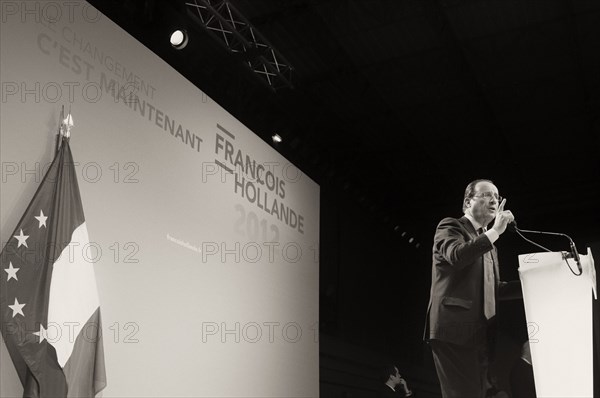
[512, 227]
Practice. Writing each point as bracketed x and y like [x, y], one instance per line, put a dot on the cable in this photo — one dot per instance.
[518, 231]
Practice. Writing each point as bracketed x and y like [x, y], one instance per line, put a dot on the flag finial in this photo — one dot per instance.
[65, 127]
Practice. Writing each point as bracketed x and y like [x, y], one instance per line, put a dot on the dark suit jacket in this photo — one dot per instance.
[455, 311]
[386, 392]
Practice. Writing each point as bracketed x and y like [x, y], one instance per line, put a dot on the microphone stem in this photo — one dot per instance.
[542, 232]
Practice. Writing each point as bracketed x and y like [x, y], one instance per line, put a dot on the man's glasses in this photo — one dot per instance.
[488, 195]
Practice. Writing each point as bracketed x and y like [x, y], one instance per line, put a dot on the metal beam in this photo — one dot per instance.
[227, 25]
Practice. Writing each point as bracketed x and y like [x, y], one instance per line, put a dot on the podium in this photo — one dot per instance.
[558, 308]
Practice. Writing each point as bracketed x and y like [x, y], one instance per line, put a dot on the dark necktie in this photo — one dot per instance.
[489, 301]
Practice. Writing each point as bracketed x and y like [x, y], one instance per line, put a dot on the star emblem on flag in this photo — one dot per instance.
[12, 272]
[42, 334]
[17, 308]
[22, 239]
[42, 219]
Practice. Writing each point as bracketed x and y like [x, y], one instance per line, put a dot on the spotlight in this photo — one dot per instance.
[276, 138]
[179, 39]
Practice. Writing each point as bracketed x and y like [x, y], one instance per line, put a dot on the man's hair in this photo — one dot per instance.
[470, 190]
[387, 371]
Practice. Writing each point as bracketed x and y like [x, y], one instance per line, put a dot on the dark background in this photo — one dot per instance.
[395, 107]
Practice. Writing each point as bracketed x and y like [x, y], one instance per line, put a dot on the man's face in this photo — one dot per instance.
[483, 206]
[396, 377]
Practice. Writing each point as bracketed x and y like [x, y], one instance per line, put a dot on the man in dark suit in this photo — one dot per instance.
[464, 285]
[394, 384]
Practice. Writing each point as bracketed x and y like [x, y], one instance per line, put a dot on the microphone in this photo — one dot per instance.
[513, 228]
